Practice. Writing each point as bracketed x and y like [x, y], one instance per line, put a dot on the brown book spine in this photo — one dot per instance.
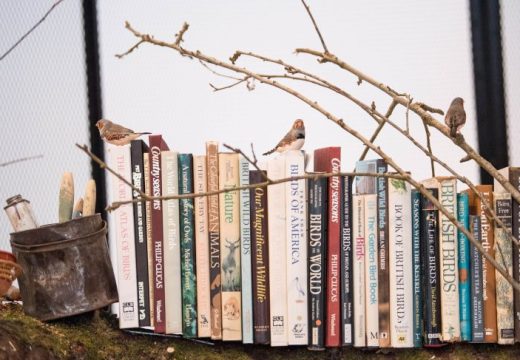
[260, 260]
[329, 160]
[514, 178]
[488, 270]
[156, 146]
[214, 241]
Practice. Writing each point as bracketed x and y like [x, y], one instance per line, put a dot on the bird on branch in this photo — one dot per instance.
[116, 134]
[293, 140]
[455, 116]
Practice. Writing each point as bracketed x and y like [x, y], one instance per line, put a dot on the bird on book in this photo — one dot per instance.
[293, 140]
[116, 134]
[455, 116]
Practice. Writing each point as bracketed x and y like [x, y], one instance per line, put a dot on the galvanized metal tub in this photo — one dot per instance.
[66, 268]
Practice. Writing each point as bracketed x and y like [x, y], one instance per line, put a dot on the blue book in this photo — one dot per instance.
[416, 251]
[245, 243]
[464, 260]
[187, 232]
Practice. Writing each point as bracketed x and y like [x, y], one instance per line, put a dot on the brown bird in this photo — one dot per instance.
[455, 116]
[293, 140]
[116, 134]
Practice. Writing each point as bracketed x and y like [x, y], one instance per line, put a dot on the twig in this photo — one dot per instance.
[31, 29]
[15, 161]
[103, 165]
[419, 109]
[408, 112]
[315, 26]
[428, 144]
[430, 109]
[215, 88]
[120, 56]
[220, 74]
[313, 104]
[374, 136]
[117, 204]
[252, 162]
[180, 34]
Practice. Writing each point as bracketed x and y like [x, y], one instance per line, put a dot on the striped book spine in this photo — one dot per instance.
[358, 269]
[371, 292]
[464, 269]
[417, 273]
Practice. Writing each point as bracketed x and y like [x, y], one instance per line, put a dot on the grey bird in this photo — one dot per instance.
[293, 140]
[455, 116]
[116, 134]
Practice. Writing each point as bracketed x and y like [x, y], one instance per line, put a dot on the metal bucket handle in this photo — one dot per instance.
[59, 243]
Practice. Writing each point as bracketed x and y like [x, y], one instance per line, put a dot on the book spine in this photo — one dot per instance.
[172, 247]
[464, 269]
[157, 234]
[187, 232]
[383, 276]
[346, 262]
[317, 252]
[230, 248]
[477, 298]
[245, 236]
[202, 247]
[149, 239]
[260, 260]
[371, 291]
[214, 241]
[430, 246]
[449, 275]
[514, 178]
[125, 239]
[137, 148]
[329, 160]
[277, 253]
[488, 271]
[358, 269]
[417, 273]
[504, 256]
[401, 264]
[296, 247]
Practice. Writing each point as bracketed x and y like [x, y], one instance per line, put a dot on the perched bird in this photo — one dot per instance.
[293, 140]
[116, 134]
[455, 116]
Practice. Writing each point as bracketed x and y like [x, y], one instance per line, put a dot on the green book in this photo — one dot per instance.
[187, 221]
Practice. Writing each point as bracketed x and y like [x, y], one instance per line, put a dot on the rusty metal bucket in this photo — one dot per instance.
[66, 268]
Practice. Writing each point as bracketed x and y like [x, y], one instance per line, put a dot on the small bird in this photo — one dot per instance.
[455, 116]
[293, 140]
[116, 134]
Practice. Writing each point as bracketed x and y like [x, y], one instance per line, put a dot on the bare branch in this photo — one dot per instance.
[103, 165]
[15, 161]
[120, 56]
[429, 108]
[315, 26]
[428, 144]
[374, 136]
[215, 88]
[31, 29]
[180, 34]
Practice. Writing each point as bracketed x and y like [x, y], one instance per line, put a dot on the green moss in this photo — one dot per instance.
[96, 336]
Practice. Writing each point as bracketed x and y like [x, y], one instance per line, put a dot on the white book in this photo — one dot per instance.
[448, 251]
[296, 242]
[172, 250]
[245, 237]
[401, 263]
[276, 228]
[371, 271]
[119, 160]
[358, 269]
[201, 247]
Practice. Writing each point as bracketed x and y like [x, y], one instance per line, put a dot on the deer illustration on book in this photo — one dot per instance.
[229, 265]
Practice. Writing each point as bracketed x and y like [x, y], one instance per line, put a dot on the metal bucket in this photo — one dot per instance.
[66, 268]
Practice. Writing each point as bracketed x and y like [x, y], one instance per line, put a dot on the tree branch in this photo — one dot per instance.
[15, 161]
[315, 26]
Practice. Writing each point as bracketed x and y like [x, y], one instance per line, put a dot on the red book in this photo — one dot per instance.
[329, 160]
[157, 145]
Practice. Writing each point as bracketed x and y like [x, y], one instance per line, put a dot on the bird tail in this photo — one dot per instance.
[453, 131]
[269, 152]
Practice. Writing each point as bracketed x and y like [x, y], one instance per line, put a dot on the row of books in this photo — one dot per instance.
[323, 262]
